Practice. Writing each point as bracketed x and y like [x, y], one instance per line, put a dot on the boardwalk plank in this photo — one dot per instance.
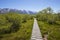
[36, 34]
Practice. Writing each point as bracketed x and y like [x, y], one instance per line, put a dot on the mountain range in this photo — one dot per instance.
[6, 10]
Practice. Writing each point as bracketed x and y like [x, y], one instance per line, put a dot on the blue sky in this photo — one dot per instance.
[33, 5]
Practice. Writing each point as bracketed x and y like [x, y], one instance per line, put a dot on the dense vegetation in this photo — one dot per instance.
[14, 26]
[49, 23]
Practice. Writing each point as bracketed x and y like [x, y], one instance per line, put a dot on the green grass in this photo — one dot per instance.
[24, 32]
[53, 30]
[15, 26]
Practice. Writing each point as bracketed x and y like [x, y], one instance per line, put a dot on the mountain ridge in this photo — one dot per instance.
[6, 10]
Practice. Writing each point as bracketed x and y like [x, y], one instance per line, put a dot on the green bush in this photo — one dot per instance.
[50, 23]
[14, 26]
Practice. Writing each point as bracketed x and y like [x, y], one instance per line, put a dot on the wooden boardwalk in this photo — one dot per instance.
[36, 34]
